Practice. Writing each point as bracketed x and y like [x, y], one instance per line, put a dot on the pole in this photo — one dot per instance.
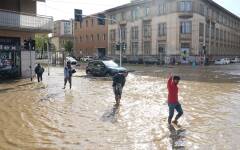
[48, 59]
[30, 48]
[210, 38]
[120, 42]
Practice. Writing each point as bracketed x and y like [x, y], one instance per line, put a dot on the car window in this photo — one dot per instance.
[110, 64]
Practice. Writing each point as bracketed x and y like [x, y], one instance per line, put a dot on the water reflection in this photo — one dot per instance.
[112, 114]
[177, 137]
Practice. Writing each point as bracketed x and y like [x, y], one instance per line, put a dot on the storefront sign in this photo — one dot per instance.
[8, 43]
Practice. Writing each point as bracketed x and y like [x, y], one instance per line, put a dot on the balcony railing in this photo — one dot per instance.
[23, 21]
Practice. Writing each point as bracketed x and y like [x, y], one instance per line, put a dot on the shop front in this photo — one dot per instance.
[10, 57]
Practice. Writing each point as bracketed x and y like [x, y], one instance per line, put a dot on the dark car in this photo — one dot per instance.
[103, 68]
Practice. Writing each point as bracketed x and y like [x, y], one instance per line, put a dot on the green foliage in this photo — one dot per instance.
[68, 46]
[41, 40]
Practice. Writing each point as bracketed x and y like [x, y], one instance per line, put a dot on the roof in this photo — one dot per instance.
[221, 7]
[128, 5]
[146, 1]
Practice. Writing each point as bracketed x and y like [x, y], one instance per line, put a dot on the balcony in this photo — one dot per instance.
[185, 14]
[25, 22]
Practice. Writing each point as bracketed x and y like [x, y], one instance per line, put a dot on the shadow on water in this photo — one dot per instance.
[111, 115]
[177, 137]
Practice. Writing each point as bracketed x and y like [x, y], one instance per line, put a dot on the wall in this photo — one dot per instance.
[25, 63]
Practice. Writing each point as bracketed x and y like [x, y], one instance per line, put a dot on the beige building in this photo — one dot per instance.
[174, 30]
[19, 22]
[62, 33]
[90, 37]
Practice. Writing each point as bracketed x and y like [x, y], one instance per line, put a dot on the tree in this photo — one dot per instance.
[40, 41]
[68, 46]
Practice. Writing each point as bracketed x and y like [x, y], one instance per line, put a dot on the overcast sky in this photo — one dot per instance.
[64, 9]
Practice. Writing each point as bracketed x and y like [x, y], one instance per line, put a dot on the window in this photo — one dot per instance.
[202, 9]
[123, 16]
[147, 30]
[186, 27]
[92, 22]
[113, 35]
[98, 37]
[104, 36]
[217, 34]
[123, 33]
[134, 33]
[80, 24]
[86, 37]
[91, 37]
[147, 47]
[80, 38]
[162, 29]
[162, 9]
[147, 11]
[185, 6]
[201, 29]
[113, 18]
[75, 25]
[134, 14]
[134, 48]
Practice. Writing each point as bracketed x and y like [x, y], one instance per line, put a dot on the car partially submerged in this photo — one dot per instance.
[104, 68]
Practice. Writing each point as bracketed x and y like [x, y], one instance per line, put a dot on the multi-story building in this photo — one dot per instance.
[174, 30]
[62, 33]
[19, 22]
[90, 37]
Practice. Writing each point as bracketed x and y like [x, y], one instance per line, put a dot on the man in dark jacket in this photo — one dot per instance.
[119, 80]
[68, 72]
[39, 71]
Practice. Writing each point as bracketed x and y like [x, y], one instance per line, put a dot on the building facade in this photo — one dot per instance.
[174, 30]
[90, 37]
[62, 33]
[19, 22]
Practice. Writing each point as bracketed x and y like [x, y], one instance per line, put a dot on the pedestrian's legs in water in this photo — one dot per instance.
[65, 82]
[171, 112]
[41, 77]
[70, 82]
[178, 107]
[117, 95]
[38, 77]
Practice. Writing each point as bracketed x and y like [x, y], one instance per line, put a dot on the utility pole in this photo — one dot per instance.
[120, 41]
[30, 48]
[48, 58]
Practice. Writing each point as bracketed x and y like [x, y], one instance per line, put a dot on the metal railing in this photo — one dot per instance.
[21, 21]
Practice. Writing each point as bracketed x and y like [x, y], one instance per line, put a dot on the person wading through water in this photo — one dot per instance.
[173, 102]
[68, 72]
[119, 80]
[39, 71]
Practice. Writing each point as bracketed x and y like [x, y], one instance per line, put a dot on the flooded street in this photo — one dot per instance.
[45, 116]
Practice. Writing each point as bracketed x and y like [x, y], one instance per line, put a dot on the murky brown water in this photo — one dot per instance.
[44, 116]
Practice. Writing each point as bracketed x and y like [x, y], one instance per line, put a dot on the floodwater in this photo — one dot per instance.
[44, 116]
